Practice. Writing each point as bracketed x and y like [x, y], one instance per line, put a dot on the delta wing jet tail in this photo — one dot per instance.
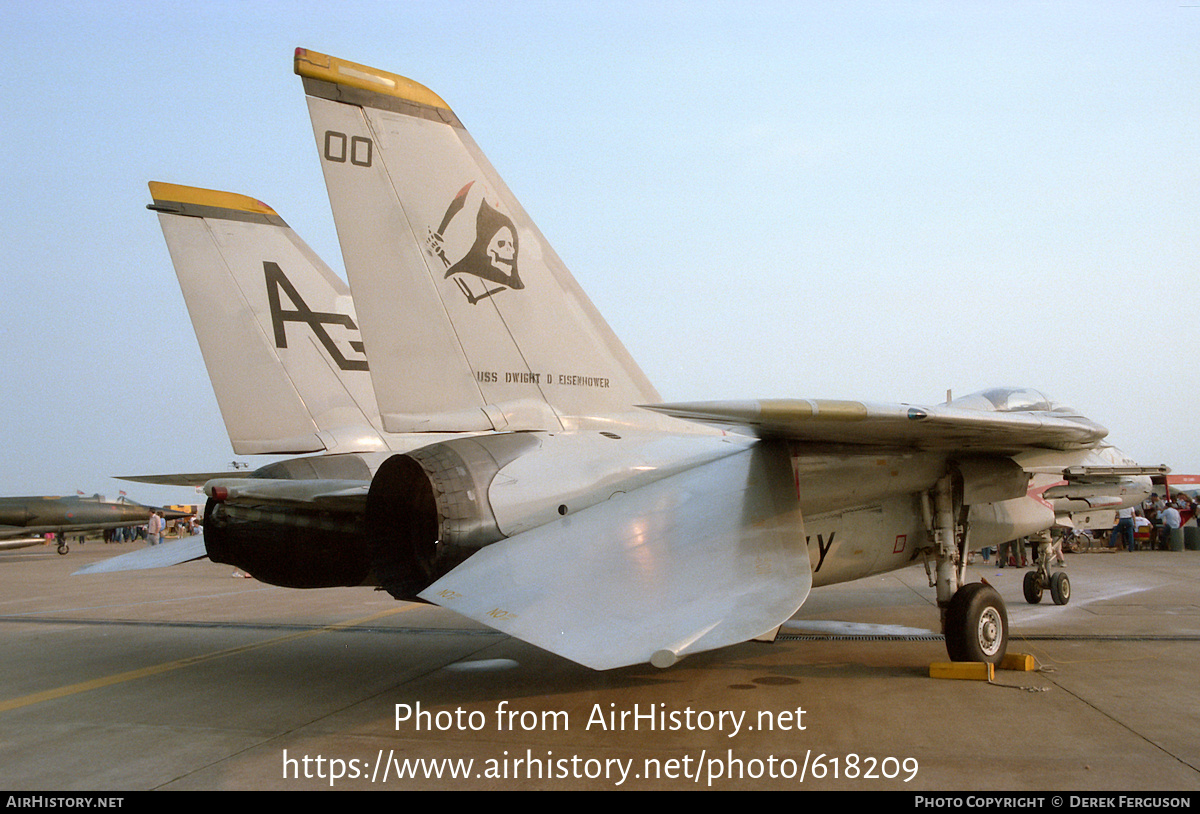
[276, 326]
[472, 321]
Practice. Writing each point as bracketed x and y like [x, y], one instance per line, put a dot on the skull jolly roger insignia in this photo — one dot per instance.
[492, 257]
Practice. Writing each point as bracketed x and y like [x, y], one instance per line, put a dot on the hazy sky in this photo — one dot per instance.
[874, 200]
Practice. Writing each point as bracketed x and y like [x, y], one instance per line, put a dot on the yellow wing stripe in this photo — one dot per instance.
[772, 410]
[311, 65]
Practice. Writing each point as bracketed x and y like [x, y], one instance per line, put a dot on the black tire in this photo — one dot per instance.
[1032, 588]
[63, 548]
[1060, 588]
[976, 624]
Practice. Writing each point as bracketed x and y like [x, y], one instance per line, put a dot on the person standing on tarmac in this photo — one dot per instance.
[154, 529]
[1170, 521]
[1123, 529]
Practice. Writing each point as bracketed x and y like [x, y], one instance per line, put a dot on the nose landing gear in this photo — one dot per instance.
[1040, 579]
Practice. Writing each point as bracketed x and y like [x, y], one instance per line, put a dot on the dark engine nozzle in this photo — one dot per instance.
[428, 510]
[288, 548]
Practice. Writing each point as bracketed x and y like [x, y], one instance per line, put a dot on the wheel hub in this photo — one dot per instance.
[989, 631]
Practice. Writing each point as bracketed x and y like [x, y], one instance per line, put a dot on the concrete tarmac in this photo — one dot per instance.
[187, 678]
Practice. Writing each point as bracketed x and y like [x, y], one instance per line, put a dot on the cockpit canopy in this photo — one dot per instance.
[1011, 400]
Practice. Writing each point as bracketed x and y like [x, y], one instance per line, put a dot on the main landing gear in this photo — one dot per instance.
[974, 619]
[976, 624]
[1040, 579]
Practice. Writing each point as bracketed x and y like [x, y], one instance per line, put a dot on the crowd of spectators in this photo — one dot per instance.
[1157, 516]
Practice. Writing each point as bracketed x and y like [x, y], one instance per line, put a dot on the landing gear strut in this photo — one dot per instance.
[974, 619]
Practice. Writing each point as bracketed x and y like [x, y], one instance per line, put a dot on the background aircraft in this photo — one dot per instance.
[13, 543]
[560, 511]
[22, 516]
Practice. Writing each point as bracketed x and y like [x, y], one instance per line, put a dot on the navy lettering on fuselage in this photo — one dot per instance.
[822, 547]
[315, 320]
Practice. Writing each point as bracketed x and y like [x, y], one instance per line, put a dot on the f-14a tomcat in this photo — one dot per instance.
[486, 443]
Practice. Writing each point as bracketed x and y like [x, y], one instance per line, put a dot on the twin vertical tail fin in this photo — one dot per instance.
[471, 320]
[277, 328]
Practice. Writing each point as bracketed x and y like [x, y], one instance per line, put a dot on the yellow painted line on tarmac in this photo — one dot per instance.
[144, 672]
